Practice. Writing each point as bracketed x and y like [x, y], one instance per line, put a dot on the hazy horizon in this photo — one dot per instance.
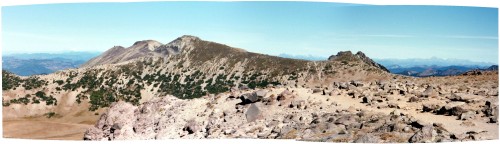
[285, 55]
[300, 28]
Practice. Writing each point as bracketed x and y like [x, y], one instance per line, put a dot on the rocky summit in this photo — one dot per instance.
[346, 56]
[193, 88]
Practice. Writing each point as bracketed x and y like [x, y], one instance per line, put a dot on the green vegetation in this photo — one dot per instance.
[49, 100]
[59, 82]
[100, 99]
[9, 80]
[50, 114]
[22, 100]
[39, 96]
[219, 86]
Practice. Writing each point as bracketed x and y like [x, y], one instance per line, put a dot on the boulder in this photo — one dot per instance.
[465, 97]
[489, 109]
[457, 111]
[343, 85]
[414, 99]
[368, 138]
[367, 99]
[452, 108]
[426, 134]
[467, 115]
[429, 91]
[430, 107]
[392, 105]
[116, 128]
[316, 90]
[251, 97]
[493, 119]
[191, 127]
[286, 94]
[357, 83]
[280, 98]
[492, 92]
[261, 93]
[93, 133]
[300, 104]
[253, 113]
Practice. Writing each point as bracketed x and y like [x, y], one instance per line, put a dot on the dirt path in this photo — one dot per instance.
[35, 129]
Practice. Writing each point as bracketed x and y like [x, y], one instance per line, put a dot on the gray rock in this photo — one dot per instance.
[191, 127]
[357, 83]
[493, 92]
[250, 98]
[414, 99]
[261, 93]
[467, 115]
[392, 105]
[424, 135]
[343, 85]
[280, 98]
[465, 97]
[368, 138]
[452, 108]
[493, 119]
[253, 113]
[93, 133]
[430, 107]
[116, 127]
[406, 129]
[244, 87]
[490, 109]
[316, 90]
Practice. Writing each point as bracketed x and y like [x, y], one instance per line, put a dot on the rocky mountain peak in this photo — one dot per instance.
[149, 44]
[116, 48]
[189, 37]
[342, 56]
[348, 56]
[144, 48]
[183, 40]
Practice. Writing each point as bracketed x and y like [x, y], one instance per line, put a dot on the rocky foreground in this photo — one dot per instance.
[402, 110]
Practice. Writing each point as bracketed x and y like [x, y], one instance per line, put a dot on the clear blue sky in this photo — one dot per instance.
[297, 28]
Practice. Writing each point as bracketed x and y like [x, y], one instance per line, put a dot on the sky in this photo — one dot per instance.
[296, 28]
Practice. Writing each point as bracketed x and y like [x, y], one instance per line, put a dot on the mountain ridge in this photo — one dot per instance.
[144, 48]
[187, 67]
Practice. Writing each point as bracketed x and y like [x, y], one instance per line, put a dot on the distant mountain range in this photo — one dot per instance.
[430, 62]
[303, 57]
[64, 55]
[44, 63]
[433, 66]
[424, 71]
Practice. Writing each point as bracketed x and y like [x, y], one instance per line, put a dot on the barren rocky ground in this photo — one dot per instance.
[391, 111]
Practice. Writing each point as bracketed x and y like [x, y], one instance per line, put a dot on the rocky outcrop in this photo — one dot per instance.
[348, 56]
